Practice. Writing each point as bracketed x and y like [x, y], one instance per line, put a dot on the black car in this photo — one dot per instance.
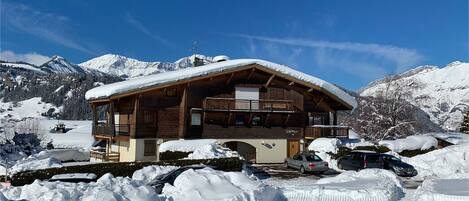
[358, 160]
[397, 166]
[159, 182]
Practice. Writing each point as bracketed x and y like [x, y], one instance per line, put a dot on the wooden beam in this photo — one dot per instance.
[251, 73]
[229, 79]
[291, 83]
[310, 90]
[250, 119]
[317, 103]
[133, 123]
[286, 120]
[267, 118]
[269, 81]
[111, 118]
[182, 114]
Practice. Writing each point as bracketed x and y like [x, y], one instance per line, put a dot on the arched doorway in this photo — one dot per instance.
[246, 150]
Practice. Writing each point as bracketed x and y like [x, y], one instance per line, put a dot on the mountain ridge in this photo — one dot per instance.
[443, 93]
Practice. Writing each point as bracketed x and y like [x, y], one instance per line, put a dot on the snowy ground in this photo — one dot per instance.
[79, 135]
[368, 184]
[33, 107]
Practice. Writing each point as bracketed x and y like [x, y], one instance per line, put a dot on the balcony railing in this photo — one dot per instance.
[318, 131]
[105, 156]
[112, 130]
[232, 104]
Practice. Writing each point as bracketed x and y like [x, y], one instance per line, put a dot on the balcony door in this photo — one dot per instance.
[247, 98]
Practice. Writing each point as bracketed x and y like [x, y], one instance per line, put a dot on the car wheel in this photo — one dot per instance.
[302, 170]
[340, 166]
[285, 164]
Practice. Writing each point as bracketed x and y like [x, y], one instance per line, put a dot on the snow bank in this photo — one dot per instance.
[107, 188]
[200, 149]
[441, 163]
[188, 73]
[367, 185]
[451, 137]
[185, 145]
[321, 146]
[149, 173]
[415, 142]
[64, 155]
[34, 164]
[209, 184]
[324, 145]
[443, 189]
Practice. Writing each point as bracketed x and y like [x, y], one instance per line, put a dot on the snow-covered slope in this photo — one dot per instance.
[127, 67]
[21, 66]
[60, 65]
[443, 93]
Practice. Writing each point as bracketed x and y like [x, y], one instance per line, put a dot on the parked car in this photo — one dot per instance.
[358, 160]
[74, 177]
[397, 166]
[307, 162]
[159, 182]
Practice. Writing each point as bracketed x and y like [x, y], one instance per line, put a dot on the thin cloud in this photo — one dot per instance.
[142, 28]
[32, 58]
[402, 57]
[46, 26]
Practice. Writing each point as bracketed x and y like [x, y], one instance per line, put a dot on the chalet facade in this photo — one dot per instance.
[263, 110]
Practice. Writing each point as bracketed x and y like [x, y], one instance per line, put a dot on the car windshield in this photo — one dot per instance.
[391, 158]
[312, 158]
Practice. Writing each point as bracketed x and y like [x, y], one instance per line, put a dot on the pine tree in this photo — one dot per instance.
[465, 123]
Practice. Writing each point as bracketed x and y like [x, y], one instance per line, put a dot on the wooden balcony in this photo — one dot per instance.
[332, 131]
[108, 130]
[105, 156]
[244, 105]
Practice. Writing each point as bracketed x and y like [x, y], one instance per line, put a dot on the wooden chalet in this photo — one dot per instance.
[263, 110]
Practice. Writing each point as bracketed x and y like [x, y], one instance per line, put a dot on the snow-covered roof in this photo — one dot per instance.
[144, 82]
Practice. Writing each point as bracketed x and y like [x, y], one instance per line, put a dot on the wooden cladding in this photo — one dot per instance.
[235, 132]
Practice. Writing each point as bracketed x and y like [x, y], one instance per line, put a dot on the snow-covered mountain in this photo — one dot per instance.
[443, 93]
[127, 67]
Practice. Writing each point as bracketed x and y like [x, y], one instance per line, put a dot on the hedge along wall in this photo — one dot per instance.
[123, 169]
[173, 155]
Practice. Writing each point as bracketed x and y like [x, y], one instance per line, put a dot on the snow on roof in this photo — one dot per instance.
[144, 82]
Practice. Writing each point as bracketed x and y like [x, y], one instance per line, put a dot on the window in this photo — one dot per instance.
[171, 92]
[148, 117]
[312, 158]
[196, 119]
[296, 157]
[149, 148]
[239, 120]
[256, 120]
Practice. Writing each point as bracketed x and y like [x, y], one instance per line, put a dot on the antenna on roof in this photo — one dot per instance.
[194, 47]
[195, 60]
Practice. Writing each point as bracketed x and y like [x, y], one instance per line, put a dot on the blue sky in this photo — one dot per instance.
[349, 43]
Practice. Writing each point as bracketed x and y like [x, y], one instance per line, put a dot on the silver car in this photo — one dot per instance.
[307, 162]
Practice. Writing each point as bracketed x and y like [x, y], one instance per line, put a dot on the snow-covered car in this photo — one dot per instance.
[307, 162]
[397, 166]
[358, 160]
[74, 177]
[159, 182]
